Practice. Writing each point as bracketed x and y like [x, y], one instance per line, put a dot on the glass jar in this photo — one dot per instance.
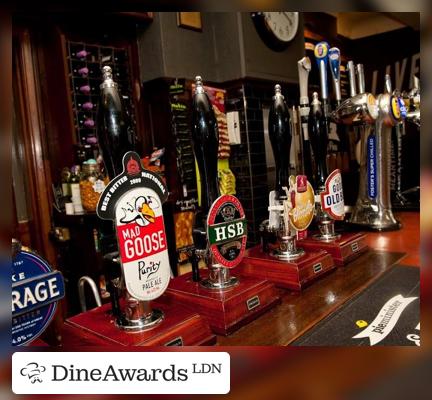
[92, 184]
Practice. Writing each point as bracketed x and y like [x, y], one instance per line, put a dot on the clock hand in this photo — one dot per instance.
[288, 18]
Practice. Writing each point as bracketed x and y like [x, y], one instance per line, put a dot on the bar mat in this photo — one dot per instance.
[387, 313]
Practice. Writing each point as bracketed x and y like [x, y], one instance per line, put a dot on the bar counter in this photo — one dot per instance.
[300, 311]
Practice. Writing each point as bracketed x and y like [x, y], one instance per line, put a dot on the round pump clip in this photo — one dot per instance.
[396, 108]
[321, 51]
[334, 59]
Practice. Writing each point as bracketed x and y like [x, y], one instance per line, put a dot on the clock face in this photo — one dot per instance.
[283, 25]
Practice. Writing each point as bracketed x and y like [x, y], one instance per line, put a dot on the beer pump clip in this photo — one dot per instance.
[287, 217]
[133, 200]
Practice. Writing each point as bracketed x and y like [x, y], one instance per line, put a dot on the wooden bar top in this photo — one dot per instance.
[406, 240]
[299, 312]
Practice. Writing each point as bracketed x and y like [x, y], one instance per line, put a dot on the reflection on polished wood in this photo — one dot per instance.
[406, 240]
[179, 325]
[301, 311]
[228, 309]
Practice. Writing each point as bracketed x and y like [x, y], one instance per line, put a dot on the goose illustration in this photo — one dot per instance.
[140, 210]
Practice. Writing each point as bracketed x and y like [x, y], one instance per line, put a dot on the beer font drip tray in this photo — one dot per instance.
[292, 274]
[343, 250]
[179, 327]
[227, 309]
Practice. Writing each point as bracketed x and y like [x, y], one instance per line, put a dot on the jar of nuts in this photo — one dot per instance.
[92, 184]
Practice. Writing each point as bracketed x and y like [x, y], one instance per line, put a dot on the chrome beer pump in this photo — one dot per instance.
[412, 99]
[279, 199]
[376, 117]
[398, 131]
[205, 138]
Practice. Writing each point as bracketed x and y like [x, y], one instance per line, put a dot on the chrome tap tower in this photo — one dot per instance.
[376, 118]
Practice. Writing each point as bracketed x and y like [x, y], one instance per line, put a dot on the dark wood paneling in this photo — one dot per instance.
[27, 98]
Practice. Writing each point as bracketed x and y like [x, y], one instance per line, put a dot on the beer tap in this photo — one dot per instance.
[360, 111]
[398, 132]
[373, 206]
[319, 131]
[334, 58]
[279, 199]
[413, 102]
[342, 132]
[304, 68]
[205, 139]
[115, 140]
[361, 78]
[351, 78]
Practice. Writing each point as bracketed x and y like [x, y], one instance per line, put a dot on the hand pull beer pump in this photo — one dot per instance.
[220, 236]
[291, 206]
[205, 141]
[115, 141]
[142, 312]
[279, 200]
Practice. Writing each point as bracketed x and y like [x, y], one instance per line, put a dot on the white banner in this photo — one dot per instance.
[386, 319]
[121, 372]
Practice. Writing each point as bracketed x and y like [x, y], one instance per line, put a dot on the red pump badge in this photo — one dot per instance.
[134, 201]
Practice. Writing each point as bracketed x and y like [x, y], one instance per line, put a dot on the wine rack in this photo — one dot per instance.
[84, 62]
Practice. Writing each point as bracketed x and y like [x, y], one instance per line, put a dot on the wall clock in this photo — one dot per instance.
[276, 29]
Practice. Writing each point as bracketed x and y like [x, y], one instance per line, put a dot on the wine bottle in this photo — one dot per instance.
[113, 135]
[280, 137]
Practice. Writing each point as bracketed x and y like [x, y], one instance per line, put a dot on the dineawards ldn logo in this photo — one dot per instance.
[120, 373]
[33, 371]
